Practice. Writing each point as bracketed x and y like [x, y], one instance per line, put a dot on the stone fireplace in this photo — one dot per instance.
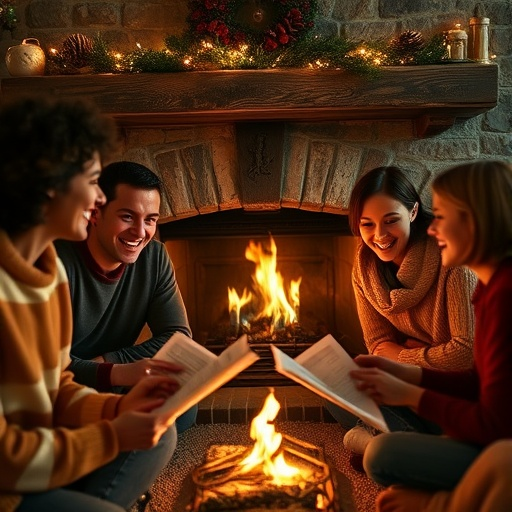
[245, 154]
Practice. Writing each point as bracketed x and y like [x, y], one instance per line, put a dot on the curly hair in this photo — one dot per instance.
[44, 143]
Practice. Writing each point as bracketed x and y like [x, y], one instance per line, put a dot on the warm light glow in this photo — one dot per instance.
[236, 303]
[295, 296]
[269, 295]
[267, 443]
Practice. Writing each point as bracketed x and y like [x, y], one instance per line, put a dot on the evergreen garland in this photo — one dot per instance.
[8, 19]
[102, 59]
[185, 54]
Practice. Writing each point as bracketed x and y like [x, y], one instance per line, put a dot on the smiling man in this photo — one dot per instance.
[120, 280]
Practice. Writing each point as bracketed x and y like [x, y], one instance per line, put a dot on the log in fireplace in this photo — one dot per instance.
[278, 472]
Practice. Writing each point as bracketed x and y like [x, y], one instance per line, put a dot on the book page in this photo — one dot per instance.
[186, 352]
[324, 369]
[234, 359]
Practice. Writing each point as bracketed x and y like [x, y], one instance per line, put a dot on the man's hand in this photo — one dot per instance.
[130, 373]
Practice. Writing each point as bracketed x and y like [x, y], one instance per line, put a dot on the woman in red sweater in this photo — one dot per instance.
[473, 227]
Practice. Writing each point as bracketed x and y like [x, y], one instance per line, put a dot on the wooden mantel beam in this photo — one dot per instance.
[433, 96]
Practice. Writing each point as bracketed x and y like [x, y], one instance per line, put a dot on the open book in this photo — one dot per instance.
[324, 369]
[203, 372]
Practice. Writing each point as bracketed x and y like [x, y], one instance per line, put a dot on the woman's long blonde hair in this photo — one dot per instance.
[483, 190]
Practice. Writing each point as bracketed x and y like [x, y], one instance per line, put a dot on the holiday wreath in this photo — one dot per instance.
[271, 24]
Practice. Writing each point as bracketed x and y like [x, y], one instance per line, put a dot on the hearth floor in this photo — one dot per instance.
[170, 492]
[239, 405]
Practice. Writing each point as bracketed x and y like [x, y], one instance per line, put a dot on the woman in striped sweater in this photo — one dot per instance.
[62, 445]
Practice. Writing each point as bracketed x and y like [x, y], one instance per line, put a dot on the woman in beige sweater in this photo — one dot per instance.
[411, 308]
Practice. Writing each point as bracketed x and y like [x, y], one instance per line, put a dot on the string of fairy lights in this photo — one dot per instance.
[184, 54]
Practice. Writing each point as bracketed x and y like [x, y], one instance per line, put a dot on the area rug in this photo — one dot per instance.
[166, 493]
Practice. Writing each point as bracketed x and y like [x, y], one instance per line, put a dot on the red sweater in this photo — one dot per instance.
[473, 406]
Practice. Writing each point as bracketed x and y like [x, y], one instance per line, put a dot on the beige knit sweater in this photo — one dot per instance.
[433, 306]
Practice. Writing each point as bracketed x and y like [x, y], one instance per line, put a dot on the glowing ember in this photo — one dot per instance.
[269, 295]
[265, 451]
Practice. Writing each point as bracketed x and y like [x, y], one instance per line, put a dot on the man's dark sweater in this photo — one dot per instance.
[110, 310]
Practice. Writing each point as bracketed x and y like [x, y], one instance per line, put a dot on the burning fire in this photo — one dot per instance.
[277, 469]
[269, 288]
[267, 442]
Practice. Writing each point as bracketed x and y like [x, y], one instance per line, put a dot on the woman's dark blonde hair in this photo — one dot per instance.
[482, 190]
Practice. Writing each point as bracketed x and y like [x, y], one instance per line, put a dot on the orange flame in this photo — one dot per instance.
[268, 285]
[236, 303]
[267, 443]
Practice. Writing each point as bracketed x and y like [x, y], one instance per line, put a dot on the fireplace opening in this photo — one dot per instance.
[209, 253]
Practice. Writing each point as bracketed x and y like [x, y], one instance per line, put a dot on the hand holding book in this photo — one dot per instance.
[324, 368]
[203, 372]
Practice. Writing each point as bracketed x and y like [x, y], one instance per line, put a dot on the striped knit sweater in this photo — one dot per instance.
[52, 430]
[432, 306]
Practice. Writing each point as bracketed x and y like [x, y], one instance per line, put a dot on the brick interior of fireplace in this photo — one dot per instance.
[209, 255]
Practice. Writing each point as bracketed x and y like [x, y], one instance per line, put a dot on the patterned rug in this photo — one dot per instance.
[167, 493]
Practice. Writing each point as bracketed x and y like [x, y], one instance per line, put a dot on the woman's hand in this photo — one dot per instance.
[138, 430]
[406, 372]
[136, 426]
[385, 388]
[130, 373]
[148, 394]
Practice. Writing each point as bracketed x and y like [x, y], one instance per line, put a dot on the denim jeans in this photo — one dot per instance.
[114, 487]
[421, 461]
[187, 419]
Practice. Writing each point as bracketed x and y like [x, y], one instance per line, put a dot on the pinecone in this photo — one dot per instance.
[76, 50]
[407, 42]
